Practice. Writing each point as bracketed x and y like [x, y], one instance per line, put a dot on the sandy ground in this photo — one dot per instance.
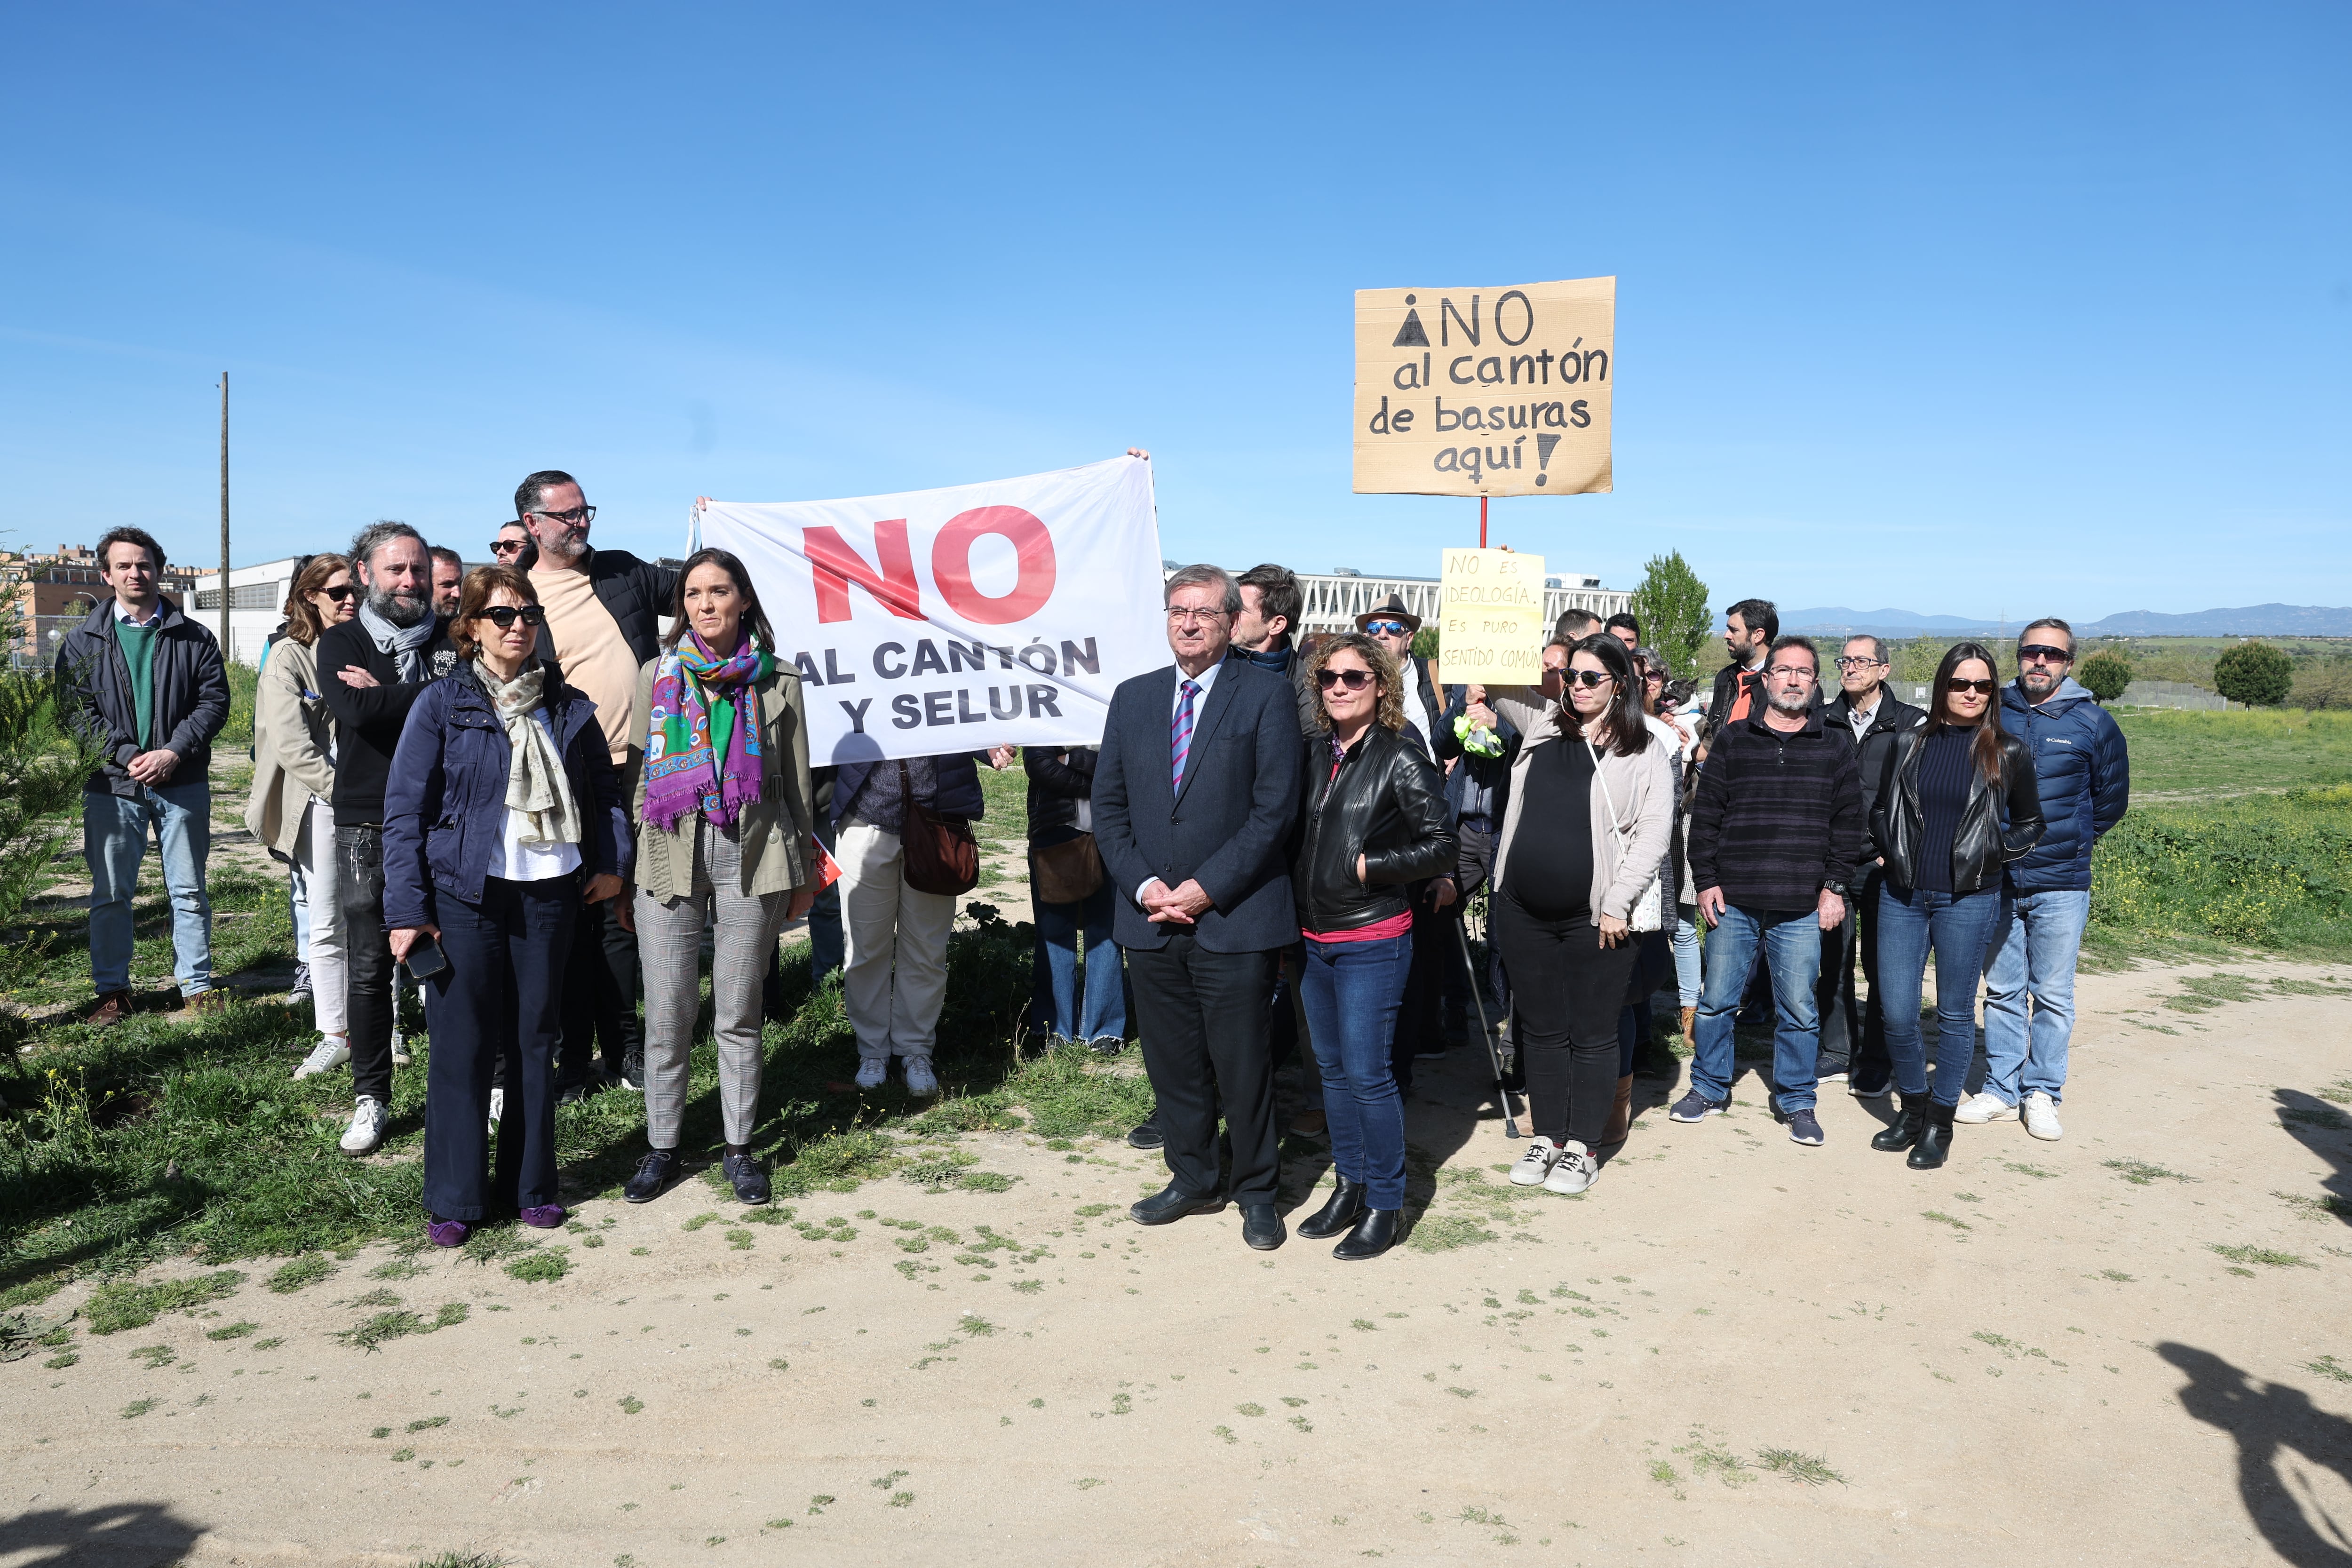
[2024, 1358]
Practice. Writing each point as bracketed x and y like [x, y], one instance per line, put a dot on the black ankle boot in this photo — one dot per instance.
[1375, 1233]
[1906, 1129]
[1346, 1203]
[1935, 1142]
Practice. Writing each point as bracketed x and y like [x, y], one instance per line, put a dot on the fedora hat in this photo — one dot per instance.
[1391, 609]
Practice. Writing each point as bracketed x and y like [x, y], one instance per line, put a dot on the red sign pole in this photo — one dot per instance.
[1482, 522]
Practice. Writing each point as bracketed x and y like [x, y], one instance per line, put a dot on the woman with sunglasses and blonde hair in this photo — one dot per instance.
[291, 810]
[1375, 824]
[1960, 803]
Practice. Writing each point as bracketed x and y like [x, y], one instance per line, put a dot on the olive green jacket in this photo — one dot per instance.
[774, 830]
[293, 746]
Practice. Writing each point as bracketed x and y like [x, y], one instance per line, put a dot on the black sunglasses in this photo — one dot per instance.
[1982, 687]
[503, 616]
[1589, 676]
[507, 546]
[1353, 679]
[2044, 651]
[340, 594]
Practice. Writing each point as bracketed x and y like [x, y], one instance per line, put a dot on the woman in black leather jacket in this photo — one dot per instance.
[1960, 803]
[1374, 823]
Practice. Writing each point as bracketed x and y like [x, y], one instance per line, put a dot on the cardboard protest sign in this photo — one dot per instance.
[1491, 625]
[1485, 392]
[952, 620]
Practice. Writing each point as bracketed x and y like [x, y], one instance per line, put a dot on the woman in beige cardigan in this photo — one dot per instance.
[1591, 807]
[723, 835]
[291, 810]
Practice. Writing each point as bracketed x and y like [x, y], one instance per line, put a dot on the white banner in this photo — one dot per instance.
[952, 620]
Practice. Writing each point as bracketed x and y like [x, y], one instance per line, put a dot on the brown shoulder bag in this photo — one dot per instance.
[941, 855]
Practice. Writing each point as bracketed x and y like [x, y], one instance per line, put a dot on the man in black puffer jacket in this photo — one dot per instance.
[1853, 1038]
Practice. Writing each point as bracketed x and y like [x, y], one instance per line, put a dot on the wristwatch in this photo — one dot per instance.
[1837, 888]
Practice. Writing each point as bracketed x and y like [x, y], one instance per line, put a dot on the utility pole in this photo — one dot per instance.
[225, 651]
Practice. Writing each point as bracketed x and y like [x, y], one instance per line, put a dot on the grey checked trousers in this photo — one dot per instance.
[669, 946]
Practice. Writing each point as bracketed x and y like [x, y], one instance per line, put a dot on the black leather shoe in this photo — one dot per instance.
[1905, 1129]
[750, 1182]
[1261, 1226]
[1170, 1204]
[1935, 1145]
[657, 1170]
[1346, 1203]
[1148, 1135]
[1375, 1233]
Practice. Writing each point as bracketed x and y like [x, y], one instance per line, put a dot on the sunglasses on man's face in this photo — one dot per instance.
[1386, 629]
[504, 615]
[1982, 687]
[340, 594]
[1353, 679]
[2042, 653]
[506, 546]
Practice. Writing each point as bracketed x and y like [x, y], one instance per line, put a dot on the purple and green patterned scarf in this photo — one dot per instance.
[699, 757]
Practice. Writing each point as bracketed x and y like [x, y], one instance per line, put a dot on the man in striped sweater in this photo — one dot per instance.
[1774, 840]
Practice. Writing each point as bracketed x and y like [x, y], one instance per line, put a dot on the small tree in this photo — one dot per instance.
[44, 760]
[2256, 674]
[1671, 604]
[2107, 674]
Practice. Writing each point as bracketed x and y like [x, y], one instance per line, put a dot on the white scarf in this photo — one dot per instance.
[536, 784]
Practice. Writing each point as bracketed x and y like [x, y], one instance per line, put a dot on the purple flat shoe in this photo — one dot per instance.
[545, 1216]
[447, 1232]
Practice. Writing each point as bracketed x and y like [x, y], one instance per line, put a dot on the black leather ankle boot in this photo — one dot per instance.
[1906, 1130]
[1934, 1144]
[1347, 1201]
[1375, 1233]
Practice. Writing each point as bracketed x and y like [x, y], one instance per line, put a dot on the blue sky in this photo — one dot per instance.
[1980, 311]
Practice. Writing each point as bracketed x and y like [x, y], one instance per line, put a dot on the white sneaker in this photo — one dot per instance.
[1573, 1171]
[2041, 1117]
[921, 1082]
[1536, 1164]
[497, 1109]
[366, 1129]
[1983, 1107]
[329, 1053]
[872, 1070]
[400, 1057]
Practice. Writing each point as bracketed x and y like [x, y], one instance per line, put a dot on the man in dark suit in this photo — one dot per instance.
[1195, 796]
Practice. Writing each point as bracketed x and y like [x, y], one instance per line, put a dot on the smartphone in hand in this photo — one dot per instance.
[424, 957]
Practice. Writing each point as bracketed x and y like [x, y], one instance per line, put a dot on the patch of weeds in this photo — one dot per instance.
[1941, 1217]
[374, 1298]
[987, 1181]
[398, 1269]
[739, 1240]
[2328, 1366]
[1224, 1432]
[1120, 1404]
[306, 1269]
[119, 1305]
[542, 1265]
[630, 1404]
[489, 1244]
[2117, 1275]
[2029, 1171]
[1707, 1458]
[138, 1407]
[1365, 1324]
[709, 1216]
[2140, 1173]
[938, 1171]
[902, 1499]
[268, 1344]
[155, 1357]
[2328, 1207]
[1461, 1393]
[402, 1456]
[1804, 1469]
[2262, 1255]
[1446, 1233]
[840, 1164]
[60, 1362]
[884, 1483]
[979, 1328]
[819, 1503]
[1029, 1287]
[2203, 992]
[1089, 1483]
[1249, 1409]
[384, 1326]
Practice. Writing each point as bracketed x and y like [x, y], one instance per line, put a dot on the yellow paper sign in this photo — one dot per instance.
[1485, 392]
[1491, 625]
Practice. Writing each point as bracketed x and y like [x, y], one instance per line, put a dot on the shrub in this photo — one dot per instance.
[2105, 675]
[2256, 674]
[2261, 871]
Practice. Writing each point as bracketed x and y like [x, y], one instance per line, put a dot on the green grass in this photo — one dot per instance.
[2271, 872]
[2176, 752]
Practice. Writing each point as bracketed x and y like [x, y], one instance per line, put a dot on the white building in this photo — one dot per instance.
[257, 604]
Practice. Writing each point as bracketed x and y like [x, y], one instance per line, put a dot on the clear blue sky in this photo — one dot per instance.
[1997, 309]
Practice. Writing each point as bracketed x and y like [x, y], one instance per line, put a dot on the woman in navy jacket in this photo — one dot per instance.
[502, 815]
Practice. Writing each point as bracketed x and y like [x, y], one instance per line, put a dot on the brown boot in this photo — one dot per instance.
[112, 1008]
[1690, 1023]
[1621, 1118]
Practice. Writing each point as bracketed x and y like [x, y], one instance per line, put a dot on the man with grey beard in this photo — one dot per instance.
[370, 669]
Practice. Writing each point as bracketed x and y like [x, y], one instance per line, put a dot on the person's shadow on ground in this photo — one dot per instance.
[124, 1533]
[2268, 1420]
[2321, 1128]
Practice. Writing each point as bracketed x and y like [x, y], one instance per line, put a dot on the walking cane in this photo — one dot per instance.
[1494, 1057]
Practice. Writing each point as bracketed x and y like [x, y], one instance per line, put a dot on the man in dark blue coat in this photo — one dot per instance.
[2085, 770]
[1194, 798]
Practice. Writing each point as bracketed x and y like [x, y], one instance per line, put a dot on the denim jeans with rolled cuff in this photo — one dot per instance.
[2028, 1013]
[1790, 942]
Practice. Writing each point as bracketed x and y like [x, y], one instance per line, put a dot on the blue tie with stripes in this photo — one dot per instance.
[1179, 733]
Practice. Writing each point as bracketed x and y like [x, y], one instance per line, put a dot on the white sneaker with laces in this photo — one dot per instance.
[331, 1052]
[1982, 1107]
[1573, 1171]
[497, 1109]
[366, 1131]
[1536, 1164]
[921, 1082]
[2041, 1117]
[872, 1070]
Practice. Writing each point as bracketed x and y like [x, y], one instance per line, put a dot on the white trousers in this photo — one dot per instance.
[895, 971]
[315, 879]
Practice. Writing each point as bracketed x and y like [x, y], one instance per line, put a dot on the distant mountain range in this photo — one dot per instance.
[2252, 620]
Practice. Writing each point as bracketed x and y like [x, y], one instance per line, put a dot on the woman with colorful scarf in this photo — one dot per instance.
[723, 836]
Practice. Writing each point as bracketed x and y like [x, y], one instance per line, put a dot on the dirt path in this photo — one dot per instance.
[2027, 1357]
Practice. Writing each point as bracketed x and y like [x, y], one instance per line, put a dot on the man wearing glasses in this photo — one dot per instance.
[1775, 836]
[2085, 770]
[1195, 794]
[1854, 1036]
[603, 610]
[508, 548]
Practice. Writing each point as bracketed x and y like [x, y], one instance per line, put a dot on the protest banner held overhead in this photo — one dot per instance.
[951, 620]
[1485, 392]
[1491, 624]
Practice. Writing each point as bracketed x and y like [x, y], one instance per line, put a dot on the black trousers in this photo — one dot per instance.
[1418, 1026]
[1851, 1030]
[499, 999]
[1473, 866]
[600, 994]
[1204, 1018]
[1569, 990]
[367, 991]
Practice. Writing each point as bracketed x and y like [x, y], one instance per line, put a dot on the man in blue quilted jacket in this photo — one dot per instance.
[2085, 771]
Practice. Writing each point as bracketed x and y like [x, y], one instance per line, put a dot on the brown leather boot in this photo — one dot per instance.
[112, 1008]
[1621, 1118]
[1690, 1023]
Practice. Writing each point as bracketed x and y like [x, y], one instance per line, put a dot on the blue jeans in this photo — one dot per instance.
[114, 841]
[1686, 962]
[1091, 1008]
[1352, 991]
[1792, 940]
[2035, 962]
[1963, 929]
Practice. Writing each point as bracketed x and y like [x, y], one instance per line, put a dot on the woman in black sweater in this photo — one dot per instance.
[1961, 803]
